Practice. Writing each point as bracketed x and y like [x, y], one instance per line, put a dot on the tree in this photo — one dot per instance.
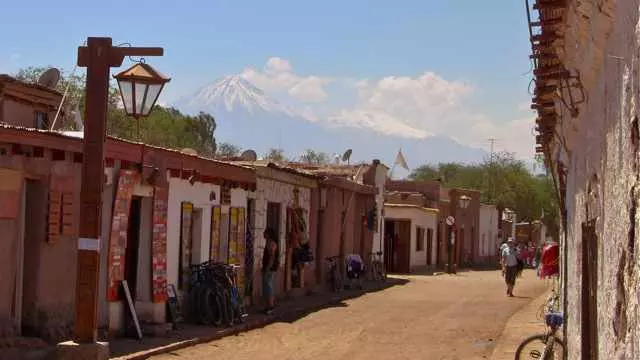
[164, 127]
[275, 155]
[314, 157]
[74, 85]
[505, 182]
[227, 150]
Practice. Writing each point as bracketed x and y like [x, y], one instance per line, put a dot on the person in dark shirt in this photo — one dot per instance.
[270, 263]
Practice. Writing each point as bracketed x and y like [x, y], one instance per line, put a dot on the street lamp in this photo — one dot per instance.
[463, 201]
[98, 56]
[140, 86]
[508, 214]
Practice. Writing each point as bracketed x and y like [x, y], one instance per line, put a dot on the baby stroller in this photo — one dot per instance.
[355, 270]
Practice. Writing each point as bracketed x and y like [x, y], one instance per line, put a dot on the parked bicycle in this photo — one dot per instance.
[545, 346]
[376, 271]
[552, 304]
[214, 298]
[334, 278]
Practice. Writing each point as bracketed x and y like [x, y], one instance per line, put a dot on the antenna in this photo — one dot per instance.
[249, 155]
[347, 155]
[49, 78]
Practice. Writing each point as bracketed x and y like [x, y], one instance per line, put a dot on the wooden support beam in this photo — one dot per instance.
[545, 36]
[548, 22]
[550, 5]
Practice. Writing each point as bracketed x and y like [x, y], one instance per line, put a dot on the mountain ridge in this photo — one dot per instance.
[248, 117]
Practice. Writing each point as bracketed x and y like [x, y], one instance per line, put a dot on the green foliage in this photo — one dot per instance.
[164, 127]
[275, 155]
[227, 150]
[503, 181]
[315, 157]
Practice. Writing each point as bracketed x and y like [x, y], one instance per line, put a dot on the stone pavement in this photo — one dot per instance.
[520, 326]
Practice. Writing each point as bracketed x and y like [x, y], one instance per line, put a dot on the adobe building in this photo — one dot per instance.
[586, 98]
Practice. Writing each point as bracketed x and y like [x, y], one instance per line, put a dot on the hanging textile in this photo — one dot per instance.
[159, 245]
[185, 243]
[119, 231]
[241, 247]
[232, 255]
[216, 213]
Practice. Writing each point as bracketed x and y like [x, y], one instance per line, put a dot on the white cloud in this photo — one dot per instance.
[428, 104]
[277, 75]
[412, 107]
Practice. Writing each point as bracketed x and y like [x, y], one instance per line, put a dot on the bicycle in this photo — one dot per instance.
[552, 346]
[214, 298]
[237, 303]
[334, 278]
[376, 270]
[552, 304]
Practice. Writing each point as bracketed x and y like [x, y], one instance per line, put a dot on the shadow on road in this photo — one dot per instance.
[288, 311]
[338, 300]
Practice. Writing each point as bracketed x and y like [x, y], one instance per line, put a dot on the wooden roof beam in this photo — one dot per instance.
[550, 5]
[547, 22]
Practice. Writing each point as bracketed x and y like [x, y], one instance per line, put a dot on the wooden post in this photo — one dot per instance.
[98, 57]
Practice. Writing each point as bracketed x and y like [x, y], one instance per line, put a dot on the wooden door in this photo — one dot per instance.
[589, 314]
[403, 251]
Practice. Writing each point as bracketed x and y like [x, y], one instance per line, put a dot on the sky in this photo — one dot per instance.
[415, 67]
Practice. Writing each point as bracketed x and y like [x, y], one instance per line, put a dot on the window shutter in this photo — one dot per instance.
[67, 213]
[55, 216]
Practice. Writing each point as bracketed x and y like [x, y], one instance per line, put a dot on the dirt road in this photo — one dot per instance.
[430, 317]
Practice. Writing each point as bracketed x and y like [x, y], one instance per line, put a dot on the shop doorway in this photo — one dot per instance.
[133, 245]
[397, 245]
[34, 195]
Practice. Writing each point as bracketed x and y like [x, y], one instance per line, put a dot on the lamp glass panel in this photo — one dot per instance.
[126, 92]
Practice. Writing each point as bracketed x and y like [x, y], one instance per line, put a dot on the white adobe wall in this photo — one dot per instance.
[268, 190]
[423, 219]
[488, 229]
[179, 191]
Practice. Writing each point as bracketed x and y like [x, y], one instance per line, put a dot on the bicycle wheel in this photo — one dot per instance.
[210, 306]
[534, 347]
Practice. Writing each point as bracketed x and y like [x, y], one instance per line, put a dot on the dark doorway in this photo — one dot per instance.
[273, 218]
[429, 246]
[34, 213]
[389, 231]
[589, 314]
[133, 244]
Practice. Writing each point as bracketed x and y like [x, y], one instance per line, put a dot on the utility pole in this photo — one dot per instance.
[492, 141]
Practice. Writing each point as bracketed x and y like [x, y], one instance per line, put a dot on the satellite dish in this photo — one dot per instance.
[336, 159]
[189, 151]
[249, 155]
[347, 155]
[49, 78]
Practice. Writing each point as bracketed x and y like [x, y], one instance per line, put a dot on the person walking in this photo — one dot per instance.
[270, 264]
[510, 265]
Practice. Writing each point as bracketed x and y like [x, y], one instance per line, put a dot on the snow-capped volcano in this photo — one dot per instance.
[249, 118]
[233, 93]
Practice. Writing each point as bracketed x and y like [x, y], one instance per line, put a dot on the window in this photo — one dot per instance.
[42, 120]
[419, 239]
